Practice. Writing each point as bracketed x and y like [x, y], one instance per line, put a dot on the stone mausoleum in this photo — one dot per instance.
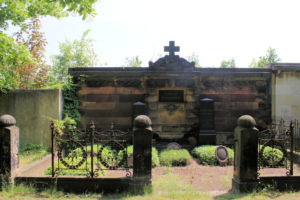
[184, 102]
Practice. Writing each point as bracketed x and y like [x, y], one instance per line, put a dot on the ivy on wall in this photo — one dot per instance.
[71, 102]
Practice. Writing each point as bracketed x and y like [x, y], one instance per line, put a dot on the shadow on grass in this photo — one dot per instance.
[266, 193]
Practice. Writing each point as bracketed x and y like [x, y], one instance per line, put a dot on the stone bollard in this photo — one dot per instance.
[142, 154]
[245, 155]
[9, 148]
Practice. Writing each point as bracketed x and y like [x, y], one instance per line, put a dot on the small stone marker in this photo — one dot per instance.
[222, 155]
[173, 145]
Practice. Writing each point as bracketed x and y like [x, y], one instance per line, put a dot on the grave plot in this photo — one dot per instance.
[89, 152]
[83, 158]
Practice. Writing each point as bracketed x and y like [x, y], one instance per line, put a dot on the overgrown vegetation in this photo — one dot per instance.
[175, 157]
[31, 152]
[205, 155]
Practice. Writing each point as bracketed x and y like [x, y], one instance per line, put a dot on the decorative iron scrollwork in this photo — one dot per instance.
[279, 141]
[112, 155]
[89, 152]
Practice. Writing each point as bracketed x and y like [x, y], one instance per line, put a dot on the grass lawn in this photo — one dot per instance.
[168, 186]
[30, 153]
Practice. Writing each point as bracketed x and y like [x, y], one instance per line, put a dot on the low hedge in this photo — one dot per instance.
[205, 155]
[155, 158]
[272, 156]
[175, 157]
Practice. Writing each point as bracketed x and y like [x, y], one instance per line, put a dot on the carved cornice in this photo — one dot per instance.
[171, 63]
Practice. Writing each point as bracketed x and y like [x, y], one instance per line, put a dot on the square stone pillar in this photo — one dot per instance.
[245, 155]
[142, 154]
[9, 148]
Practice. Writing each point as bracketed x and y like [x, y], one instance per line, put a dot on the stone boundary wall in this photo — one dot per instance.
[33, 110]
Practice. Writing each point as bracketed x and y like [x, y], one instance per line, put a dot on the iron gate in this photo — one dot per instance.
[89, 152]
[275, 147]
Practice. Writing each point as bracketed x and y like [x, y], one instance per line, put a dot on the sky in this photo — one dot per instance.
[215, 30]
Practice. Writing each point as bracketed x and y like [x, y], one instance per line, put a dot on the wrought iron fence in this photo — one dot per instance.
[296, 136]
[89, 152]
[275, 147]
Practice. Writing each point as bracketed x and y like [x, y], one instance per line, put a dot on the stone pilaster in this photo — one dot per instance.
[245, 155]
[9, 148]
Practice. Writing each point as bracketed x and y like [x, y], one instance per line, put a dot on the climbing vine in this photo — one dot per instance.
[71, 102]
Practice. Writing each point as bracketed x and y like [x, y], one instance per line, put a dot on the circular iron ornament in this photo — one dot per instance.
[72, 166]
[263, 161]
[222, 155]
[117, 162]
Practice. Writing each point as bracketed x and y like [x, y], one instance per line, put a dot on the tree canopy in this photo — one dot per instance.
[76, 53]
[133, 62]
[269, 58]
[22, 61]
[228, 63]
[194, 58]
[17, 12]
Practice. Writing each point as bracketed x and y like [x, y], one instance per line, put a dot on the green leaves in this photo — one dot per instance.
[269, 58]
[18, 11]
[206, 154]
[12, 57]
[175, 157]
[194, 58]
[133, 62]
[228, 63]
[77, 53]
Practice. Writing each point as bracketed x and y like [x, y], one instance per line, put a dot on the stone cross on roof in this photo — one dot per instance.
[172, 48]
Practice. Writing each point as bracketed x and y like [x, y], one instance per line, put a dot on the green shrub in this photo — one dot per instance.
[206, 154]
[31, 152]
[27, 148]
[272, 157]
[155, 158]
[80, 171]
[174, 157]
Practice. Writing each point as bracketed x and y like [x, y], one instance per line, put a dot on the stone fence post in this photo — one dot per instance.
[9, 148]
[245, 155]
[142, 153]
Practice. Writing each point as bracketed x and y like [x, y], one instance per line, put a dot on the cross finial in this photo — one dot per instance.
[171, 48]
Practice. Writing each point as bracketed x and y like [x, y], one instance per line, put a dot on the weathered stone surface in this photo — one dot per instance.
[138, 108]
[222, 155]
[245, 154]
[142, 122]
[207, 114]
[142, 153]
[246, 121]
[173, 145]
[9, 150]
[158, 83]
[7, 120]
[235, 92]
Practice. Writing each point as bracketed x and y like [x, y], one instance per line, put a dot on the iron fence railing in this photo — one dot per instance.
[89, 152]
[276, 147]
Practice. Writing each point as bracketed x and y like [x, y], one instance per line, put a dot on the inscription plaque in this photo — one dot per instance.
[171, 96]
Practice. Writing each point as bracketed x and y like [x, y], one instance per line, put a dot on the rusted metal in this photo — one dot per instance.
[92, 127]
[292, 148]
[277, 137]
[108, 151]
[52, 148]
